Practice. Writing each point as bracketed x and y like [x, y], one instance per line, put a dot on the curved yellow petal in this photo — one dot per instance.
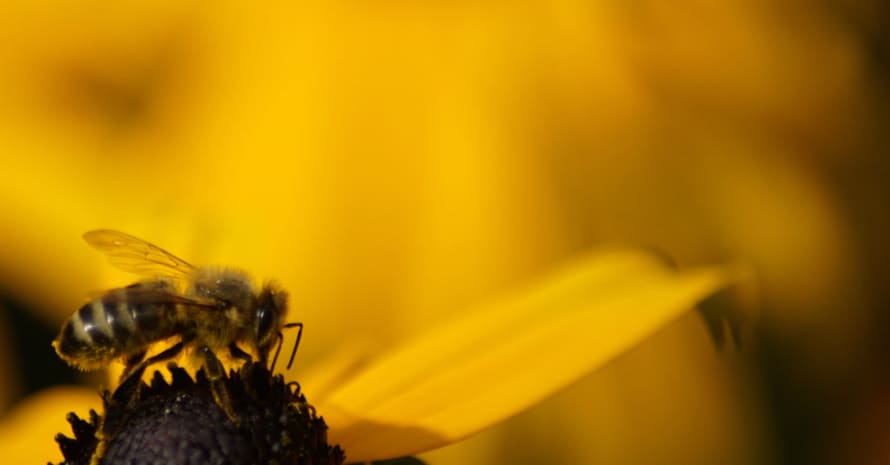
[26, 433]
[509, 354]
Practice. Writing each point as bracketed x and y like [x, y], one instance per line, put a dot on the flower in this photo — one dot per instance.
[181, 421]
[467, 374]
[392, 163]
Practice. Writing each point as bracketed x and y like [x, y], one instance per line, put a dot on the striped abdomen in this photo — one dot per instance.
[112, 327]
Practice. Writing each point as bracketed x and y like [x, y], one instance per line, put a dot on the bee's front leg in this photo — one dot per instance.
[216, 374]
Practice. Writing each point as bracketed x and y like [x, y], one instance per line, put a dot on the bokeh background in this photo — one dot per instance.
[394, 162]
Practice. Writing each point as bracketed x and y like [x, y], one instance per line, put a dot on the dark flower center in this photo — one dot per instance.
[181, 423]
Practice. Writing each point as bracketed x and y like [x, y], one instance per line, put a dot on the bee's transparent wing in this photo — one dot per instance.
[151, 293]
[134, 255]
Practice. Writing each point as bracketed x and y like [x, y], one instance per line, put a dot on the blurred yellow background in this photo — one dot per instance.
[391, 162]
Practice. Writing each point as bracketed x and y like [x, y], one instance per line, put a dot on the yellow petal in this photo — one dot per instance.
[26, 434]
[507, 355]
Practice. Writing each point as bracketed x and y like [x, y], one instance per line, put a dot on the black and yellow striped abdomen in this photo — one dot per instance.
[111, 327]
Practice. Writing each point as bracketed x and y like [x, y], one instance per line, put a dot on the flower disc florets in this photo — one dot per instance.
[181, 423]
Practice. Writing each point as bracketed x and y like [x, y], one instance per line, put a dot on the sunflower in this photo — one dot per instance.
[464, 375]
[391, 164]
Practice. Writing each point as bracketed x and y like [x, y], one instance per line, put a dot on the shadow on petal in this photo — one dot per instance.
[374, 440]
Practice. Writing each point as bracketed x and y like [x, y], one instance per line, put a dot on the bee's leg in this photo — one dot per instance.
[216, 375]
[130, 364]
[128, 387]
[237, 353]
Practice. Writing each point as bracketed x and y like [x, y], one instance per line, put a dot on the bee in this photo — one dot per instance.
[210, 309]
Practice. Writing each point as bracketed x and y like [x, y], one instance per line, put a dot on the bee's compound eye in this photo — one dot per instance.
[267, 314]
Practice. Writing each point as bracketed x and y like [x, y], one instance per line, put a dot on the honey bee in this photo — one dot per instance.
[210, 309]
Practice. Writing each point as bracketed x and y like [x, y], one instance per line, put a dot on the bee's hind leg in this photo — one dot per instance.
[130, 364]
[128, 389]
[216, 375]
[238, 353]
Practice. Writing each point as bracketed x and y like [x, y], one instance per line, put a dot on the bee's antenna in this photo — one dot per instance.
[277, 351]
[296, 343]
[281, 341]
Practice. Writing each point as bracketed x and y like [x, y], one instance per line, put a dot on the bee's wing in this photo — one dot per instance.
[134, 255]
[151, 293]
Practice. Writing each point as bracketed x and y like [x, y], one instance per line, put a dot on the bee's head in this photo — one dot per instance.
[270, 312]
